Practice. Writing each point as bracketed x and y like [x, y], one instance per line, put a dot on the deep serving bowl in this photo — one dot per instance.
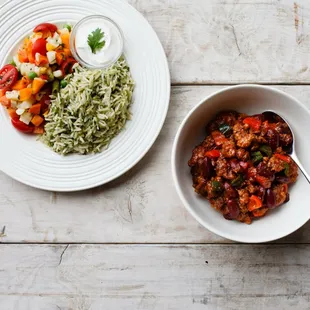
[250, 99]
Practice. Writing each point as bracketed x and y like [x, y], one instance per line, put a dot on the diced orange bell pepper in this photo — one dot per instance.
[22, 83]
[67, 52]
[5, 101]
[35, 109]
[25, 94]
[37, 84]
[38, 130]
[37, 120]
[41, 60]
[29, 52]
[60, 58]
[254, 203]
[22, 55]
[65, 38]
[12, 112]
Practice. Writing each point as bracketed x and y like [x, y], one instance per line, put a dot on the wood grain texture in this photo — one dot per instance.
[233, 41]
[141, 206]
[154, 277]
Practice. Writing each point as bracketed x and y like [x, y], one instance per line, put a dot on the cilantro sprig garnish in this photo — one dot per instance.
[95, 40]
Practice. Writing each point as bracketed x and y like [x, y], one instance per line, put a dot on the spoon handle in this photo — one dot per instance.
[300, 166]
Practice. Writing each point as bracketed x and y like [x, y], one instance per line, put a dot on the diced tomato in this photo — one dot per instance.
[66, 66]
[35, 109]
[218, 137]
[12, 112]
[29, 52]
[263, 181]
[8, 77]
[259, 212]
[44, 77]
[213, 154]
[19, 125]
[44, 27]
[285, 158]
[254, 203]
[39, 46]
[253, 122]
[5, 101]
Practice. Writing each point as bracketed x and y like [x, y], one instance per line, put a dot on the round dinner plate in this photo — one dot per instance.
[30, 161]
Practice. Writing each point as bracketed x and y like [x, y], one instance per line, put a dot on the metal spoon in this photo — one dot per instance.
[292, 152]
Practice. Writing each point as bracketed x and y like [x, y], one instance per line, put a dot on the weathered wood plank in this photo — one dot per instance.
[142, 206]
[154, 277]
[233, 41]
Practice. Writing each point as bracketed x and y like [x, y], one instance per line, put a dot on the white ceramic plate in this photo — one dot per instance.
[31, 162]
[250, 99]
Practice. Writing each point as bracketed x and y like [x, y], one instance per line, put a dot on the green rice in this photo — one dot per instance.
[91, 110]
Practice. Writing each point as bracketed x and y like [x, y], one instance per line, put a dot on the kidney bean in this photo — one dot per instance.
[261, 193]
[205, 167]
[273, 138]
[230, 192]
[270, 199]
[233, 210]
[264, 171]
[282, 179]
[287, 198]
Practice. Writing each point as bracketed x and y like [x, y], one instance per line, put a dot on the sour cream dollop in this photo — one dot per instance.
[112, 37]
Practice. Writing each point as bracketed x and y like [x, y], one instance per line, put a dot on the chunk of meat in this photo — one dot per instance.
[229, 149]
[276, 164]
[244, 218]
[198, 152]
[280, 192]
[208, 142]
[242, 136]
[217, 203]
[222, 170]
[243, 197]
[242, 154]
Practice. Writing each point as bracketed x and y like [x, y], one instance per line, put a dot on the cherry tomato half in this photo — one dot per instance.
[8, 77]
[66, 66]
[20, 126]
[44, 27]
[39, 46]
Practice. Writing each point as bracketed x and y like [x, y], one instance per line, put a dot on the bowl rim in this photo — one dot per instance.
[173, 156]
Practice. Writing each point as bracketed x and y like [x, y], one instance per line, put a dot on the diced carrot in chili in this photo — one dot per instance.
[263, 181]
[254, 203]
[213, 154]
[25, 94]
[35, 109]
[12, 112]
[37, 120]
[253, 122]
[5, 101]
[22, 83]
[260, 212]
[38, 130]
[65, 38]
[22, 55]
[285, 158]
[218, 137]
[37, 84]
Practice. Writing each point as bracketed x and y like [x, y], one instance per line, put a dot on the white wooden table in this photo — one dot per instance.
[130, 244]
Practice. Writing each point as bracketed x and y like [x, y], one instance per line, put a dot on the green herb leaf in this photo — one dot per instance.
[225, 129]
[237, 182]
[257, 157]
[95, 40]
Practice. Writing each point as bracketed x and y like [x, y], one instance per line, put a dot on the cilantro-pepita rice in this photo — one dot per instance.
[90, 110]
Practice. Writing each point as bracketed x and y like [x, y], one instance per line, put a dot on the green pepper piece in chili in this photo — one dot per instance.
[225, 129]
[266, 149]
[217, 186]
[237, 182]
[257, 157]
[287, 169]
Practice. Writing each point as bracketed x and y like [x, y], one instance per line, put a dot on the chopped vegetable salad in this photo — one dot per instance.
[36, 71]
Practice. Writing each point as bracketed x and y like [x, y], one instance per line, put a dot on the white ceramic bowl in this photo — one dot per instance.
[250, 99]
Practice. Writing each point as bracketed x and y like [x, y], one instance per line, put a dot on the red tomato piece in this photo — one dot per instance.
[285, 158]
[218, 137]
[213, 154]
[254, 203]
[44, 27]
[20, 126]
[263, 181]
[8, 77]
[44, 77]
[253, 122]
[66, 66]
[39, 46]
